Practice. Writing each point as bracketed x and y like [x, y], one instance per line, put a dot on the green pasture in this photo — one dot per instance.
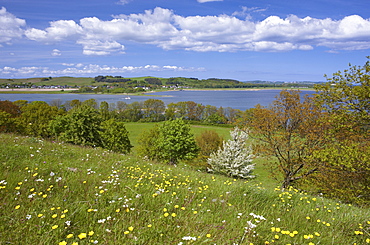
[135, 129]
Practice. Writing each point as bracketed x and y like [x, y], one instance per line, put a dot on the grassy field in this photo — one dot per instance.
[54, 193]
[136, 129]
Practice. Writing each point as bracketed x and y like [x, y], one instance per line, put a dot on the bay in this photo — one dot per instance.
[236, 99]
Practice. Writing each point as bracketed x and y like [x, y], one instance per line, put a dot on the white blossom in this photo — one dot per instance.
[189, 238]
[234, 159]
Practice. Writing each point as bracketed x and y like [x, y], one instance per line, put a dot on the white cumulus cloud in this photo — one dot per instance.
[58, 31]
[223, 33]
[11, 27]
[96, 47]
[56, 52]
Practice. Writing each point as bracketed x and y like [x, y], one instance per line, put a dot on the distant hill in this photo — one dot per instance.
[119, 84]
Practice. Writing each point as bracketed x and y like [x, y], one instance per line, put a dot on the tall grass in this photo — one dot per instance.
[53, 193]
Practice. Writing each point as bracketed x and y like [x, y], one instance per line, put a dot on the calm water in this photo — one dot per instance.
[235, 99]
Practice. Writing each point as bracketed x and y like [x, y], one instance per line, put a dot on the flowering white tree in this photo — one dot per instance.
[234, 159]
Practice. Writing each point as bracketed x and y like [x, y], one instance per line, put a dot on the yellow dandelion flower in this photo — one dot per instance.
[91, 233]
[166, 214]
[82, 236]
[278, 229]
[126, 232]
[130, 228]
[39, 215]
[54, 227]
[149, 225]
[308, 217]
[69, 235]
[75, 243]
[62, 243]
[54, 216]
[165, 210]
[182, 208]
[117, 210]
[208, 235]
[176, 206]
[276, 237]
[173, 215]
[17, 207]
[44, 196]
[62, 216]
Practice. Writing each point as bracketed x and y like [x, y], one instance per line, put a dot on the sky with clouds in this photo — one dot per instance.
[284, 40]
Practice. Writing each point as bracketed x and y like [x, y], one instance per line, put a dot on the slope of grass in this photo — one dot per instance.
[52, 193]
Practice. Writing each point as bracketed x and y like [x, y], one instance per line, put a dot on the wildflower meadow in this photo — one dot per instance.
[54, 193]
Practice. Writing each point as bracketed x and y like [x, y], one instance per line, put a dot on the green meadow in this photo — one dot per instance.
[55, 193]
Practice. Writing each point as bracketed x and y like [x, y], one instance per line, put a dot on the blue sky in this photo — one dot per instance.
[286, 40]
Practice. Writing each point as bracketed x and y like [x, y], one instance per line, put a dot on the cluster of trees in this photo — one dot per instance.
[82, 124]
[321, 143]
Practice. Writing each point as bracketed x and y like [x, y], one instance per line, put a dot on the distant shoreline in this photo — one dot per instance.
[37, 90]
[58, 90]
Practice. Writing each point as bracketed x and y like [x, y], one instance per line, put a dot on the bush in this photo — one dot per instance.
[114, 136]
[169, 142]
[80, 126]
[208, 142]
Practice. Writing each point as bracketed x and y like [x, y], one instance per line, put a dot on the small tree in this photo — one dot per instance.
[234, 159]
[288, 131]
[176, 142]
[170, 142]
[114, 136]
